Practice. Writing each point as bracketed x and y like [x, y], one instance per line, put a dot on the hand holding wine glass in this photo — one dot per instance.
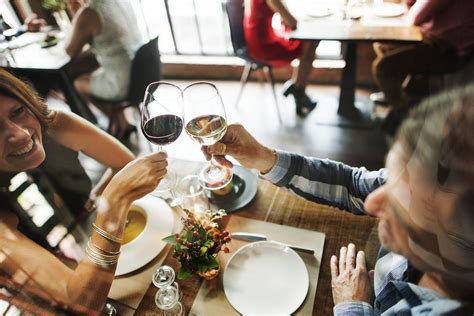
[161, 120]
[205, 122]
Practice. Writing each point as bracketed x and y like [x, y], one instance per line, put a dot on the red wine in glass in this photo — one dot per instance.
[161, 121]
[162, 130]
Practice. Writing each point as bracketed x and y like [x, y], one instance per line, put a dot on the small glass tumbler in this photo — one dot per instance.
[168, 296]
[167, 300]
[191, 195]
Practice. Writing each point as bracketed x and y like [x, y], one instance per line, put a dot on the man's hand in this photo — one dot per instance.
[349, 278]
[239, 144]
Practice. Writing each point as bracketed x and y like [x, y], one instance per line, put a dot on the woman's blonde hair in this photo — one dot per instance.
[13, 87]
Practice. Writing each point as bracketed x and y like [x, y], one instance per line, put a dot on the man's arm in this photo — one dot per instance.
[424, 10]
[325, 181]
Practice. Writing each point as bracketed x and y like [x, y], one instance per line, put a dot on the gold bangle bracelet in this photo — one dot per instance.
[106, 235]
[100, 260]
[100, 252]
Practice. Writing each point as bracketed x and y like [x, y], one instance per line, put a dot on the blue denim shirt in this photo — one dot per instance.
[338, 185]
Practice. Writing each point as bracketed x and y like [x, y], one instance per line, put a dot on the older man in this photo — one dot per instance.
[424, 201]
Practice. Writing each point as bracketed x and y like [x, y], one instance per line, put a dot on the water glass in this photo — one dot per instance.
[168, 297]
[191, 195]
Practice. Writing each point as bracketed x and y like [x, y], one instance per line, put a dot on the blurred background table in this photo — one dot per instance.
[25, 56]
[276, 205]
[338, 26]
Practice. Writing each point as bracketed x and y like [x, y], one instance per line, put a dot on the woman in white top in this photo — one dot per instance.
[111, 28]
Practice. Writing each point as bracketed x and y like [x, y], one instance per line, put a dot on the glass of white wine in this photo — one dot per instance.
[205, 122]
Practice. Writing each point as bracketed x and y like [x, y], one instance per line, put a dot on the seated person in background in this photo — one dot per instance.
[265, 45]
[447, 27]
[424, 200]
[111, 28]
[32, 24]
[25, 122]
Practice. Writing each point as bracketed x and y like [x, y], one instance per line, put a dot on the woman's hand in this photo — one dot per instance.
[349, 278]
[33, 23]
[138, 178]
[238, 143]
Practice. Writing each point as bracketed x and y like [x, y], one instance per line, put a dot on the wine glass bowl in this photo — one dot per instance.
[205, 122]
[161, 113]
[161, 120]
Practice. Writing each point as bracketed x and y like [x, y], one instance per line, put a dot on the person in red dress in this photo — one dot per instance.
[265, 45]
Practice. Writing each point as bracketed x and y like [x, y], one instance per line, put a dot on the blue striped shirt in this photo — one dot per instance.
[336, 184]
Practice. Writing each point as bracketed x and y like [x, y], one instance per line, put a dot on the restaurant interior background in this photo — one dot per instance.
[192, 48]
[195, 45]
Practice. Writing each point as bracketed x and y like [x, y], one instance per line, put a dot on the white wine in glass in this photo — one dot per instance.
[205, 122]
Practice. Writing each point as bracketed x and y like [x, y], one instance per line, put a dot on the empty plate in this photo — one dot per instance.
[319, 11]
[266, 278]
[388, 10]
[149, 220]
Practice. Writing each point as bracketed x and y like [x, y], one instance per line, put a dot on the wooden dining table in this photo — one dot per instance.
[276, 205]
[25, 55]
[337, 25]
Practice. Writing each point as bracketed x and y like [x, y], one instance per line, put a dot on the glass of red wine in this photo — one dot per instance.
[161, 120]
[205, 121]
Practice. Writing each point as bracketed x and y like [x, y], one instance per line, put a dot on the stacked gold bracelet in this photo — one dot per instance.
[106, 235]
[101, 257]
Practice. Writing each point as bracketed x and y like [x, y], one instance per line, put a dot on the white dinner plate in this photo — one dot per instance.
[146, 246]
[388, 10]
[319, 11]
[266, 277]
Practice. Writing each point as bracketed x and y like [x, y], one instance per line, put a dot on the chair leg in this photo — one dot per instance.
[268, 73]
[243, 80]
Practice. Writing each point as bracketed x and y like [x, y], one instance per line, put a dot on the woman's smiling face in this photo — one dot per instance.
[21, 145]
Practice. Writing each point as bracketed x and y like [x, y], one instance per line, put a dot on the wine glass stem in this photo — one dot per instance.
[214, 163]
[215, 170]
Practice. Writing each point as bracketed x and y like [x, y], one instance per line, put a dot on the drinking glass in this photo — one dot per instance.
[161, 120]
[168, 296]
[190, 195]
[205, 122]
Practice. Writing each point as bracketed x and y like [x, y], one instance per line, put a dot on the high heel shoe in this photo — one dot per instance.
[304, 105]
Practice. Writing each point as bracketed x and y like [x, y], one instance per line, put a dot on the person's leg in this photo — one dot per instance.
[306, 65]
[381, 49]
[390, 69]
[297, 85]
[84, 63]
[82, 84]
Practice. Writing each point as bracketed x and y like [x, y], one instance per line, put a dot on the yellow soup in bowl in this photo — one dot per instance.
[136, 221]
